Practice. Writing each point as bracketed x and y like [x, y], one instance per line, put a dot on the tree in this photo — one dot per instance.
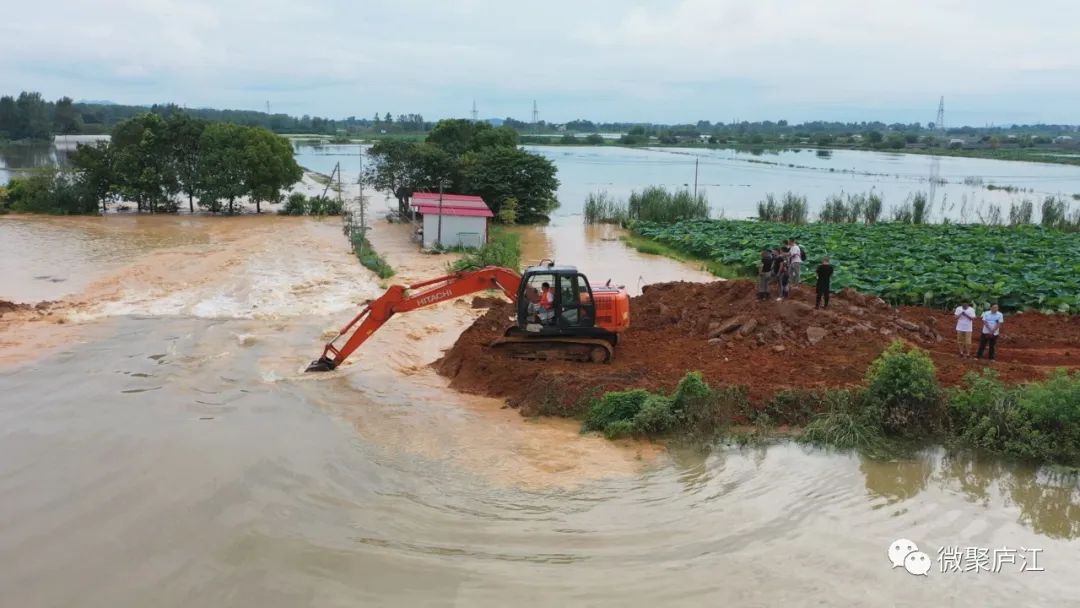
[65, 119]
[268, 165]
[874, 137]
[8, 117]
[93, 166]
[401, 167]
[388, 119]
[144, 165]
[32, 117]
[500, 173]
[185, 133]
[457, 136]
[594, 139]
[221, 171]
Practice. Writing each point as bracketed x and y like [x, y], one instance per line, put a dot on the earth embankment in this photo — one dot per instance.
[723, 331]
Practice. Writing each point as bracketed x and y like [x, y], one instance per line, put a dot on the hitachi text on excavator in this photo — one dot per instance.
[559, 314]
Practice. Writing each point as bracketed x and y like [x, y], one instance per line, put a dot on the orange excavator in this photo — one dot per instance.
[559, 314]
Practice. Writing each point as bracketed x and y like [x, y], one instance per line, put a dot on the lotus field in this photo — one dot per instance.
[1022, 267]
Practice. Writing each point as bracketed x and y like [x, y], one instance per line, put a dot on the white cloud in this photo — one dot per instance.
[658, 60]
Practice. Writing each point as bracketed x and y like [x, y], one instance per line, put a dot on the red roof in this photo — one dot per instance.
[456, 211]
[452, 204]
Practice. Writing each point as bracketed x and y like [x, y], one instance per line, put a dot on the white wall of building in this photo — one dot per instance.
[456, 230]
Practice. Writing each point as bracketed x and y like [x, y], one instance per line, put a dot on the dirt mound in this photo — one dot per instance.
[722, 330]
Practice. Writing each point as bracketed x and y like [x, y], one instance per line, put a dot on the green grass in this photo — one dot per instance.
[652, 247]
[367, 255]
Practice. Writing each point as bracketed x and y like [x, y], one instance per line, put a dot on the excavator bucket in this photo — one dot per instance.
[320, 365]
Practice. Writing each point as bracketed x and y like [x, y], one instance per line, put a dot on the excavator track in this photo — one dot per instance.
[555, 348]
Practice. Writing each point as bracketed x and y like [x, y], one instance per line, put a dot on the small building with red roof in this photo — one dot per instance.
[452, 219]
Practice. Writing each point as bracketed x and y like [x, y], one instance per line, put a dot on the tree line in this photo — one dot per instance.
[467, 157]
[29, 116]
[153, 161]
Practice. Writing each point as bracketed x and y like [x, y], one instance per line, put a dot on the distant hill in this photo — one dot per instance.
[495, 122]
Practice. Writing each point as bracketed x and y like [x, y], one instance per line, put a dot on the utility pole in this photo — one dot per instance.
[438, 235]
[360, 184]
[695, 177]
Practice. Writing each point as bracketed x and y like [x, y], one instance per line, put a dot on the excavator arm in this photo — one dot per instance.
[399, 298]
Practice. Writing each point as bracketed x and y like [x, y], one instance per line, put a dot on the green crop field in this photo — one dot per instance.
[1022, 267]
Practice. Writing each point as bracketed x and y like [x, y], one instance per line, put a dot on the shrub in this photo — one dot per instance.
[508, 211]
[655, 417]
[602, 208]
[656, 204]
[1040, 420]
[502, 249]
[702, 410]
[1022, 213]
[902, 384]
[615, 407]
[873, 208]
[295, 204]
[693, 409]
[369, 258]
[768, 210]
[619, 429]
[920, 208]
[1053, 212]
[797, 407]
[50, 191]
[847, 422]
[793, 209]
[323, 205]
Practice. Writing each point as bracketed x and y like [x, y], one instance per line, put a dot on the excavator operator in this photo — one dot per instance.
[547, 304]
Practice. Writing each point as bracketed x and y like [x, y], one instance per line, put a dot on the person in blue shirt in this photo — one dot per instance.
[991, 329]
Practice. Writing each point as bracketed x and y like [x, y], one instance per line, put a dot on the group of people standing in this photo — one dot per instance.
[991, 328]
[784, 266]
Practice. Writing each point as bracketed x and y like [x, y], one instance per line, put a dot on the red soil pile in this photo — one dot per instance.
[721, 330]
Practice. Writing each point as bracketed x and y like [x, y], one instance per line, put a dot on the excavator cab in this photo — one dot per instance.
[553, 299]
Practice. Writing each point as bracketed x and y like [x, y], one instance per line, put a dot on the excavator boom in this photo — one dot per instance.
[399, 298]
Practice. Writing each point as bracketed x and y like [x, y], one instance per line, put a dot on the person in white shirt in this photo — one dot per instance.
[794, 262]
[991, 329]
[965, 315]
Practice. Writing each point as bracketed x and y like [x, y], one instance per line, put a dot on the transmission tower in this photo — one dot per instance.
[474, 114]
[935, 161]
[536, 114]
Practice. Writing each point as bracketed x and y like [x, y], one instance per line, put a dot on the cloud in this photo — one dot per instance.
[607, 59]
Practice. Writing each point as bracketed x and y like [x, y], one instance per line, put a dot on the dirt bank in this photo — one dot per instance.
[722, 330]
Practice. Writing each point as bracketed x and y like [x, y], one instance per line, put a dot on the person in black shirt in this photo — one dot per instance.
[765, 274]
[824, 280]
[779, 270]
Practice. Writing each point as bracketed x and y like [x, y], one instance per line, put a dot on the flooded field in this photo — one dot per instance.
[159, 445]
[736, 180]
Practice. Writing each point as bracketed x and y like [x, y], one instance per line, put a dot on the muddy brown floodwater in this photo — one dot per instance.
[159, 446]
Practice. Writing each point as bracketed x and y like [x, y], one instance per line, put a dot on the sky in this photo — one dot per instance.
[994, 61]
